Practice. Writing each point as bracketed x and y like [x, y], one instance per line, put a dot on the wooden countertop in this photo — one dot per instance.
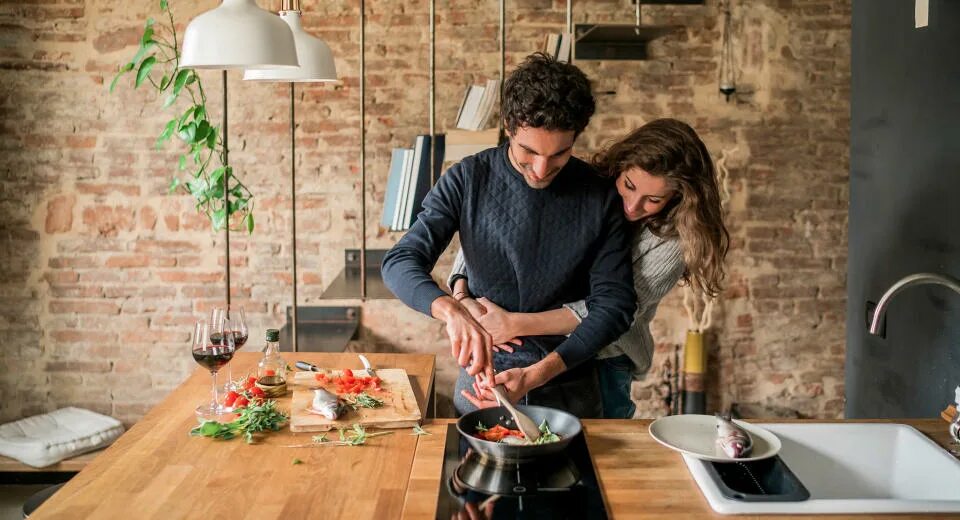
[640, 478]
[156, 470]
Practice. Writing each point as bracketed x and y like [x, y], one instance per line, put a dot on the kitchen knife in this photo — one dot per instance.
[303, 365]
[367, 366]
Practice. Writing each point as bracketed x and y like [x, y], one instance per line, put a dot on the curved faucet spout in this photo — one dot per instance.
[903, 283]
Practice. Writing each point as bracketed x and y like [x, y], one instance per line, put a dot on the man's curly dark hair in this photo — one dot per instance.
[545, 93]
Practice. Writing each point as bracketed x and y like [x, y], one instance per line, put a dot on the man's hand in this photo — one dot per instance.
[500, 324]
[517, 382]
[470, 344]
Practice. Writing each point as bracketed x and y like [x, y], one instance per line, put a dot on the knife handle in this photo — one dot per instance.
[303, 365]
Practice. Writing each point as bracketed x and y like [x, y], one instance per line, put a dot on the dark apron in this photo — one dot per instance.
[576, 391]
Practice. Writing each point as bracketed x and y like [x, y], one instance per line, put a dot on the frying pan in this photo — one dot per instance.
[564, 424]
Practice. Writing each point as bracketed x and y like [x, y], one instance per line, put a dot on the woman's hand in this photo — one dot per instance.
[500, 324]
[516, 381]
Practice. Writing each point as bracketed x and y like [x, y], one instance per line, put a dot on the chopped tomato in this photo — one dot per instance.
[269, 372]
[257, 392]
[348, 373]
[241, 402]
[497, 433]
[321, 377]
[231, 398]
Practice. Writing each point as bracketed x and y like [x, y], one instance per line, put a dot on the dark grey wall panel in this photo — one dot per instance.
[904, 207]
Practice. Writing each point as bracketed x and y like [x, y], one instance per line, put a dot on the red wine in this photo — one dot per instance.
[240, 339]
[213, 358]
[216, 338]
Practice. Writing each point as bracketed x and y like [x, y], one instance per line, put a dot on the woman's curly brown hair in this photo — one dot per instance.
[671, 149]
[545, 93]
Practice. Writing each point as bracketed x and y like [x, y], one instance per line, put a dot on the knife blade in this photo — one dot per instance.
[367, 366]
[303, 365]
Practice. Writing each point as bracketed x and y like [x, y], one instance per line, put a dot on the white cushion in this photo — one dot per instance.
[46, 439]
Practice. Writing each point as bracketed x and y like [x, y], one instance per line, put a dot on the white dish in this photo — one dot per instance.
[696, 435]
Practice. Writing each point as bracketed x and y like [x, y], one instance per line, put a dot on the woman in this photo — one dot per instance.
[666, 178]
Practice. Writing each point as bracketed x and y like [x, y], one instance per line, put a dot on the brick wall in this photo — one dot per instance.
[103, 273]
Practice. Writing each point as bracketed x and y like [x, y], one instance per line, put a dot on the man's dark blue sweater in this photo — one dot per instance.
[528, 250]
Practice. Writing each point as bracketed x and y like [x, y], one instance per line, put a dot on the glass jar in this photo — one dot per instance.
[272, 369]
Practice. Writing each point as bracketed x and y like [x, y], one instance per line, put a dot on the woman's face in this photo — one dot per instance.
[644, 195]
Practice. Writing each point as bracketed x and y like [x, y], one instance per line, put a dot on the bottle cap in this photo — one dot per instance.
[273, 335]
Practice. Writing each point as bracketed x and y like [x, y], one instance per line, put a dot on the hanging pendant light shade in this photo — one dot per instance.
[314, 55]
[238, 34]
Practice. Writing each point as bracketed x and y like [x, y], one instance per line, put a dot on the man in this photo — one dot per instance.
[538, 228]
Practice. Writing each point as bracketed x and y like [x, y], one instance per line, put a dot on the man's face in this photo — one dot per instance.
[540, 154]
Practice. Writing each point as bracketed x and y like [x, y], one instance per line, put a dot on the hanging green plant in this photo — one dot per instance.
[158, 54]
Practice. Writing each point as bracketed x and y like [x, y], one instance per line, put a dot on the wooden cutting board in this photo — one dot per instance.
[399, 408]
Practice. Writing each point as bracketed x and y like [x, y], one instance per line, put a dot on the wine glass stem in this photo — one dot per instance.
[216, 391]
[229, 384]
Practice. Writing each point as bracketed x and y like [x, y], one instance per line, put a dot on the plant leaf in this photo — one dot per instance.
[249, 221]
[219, 218]
[188, 132]
[212, 137]
[164, 82]
[141, 52]
[217, 175]
[144, 71]
[147, 37]
[182, 162]
[203, 129]
[174, 184]
[163, 5]
[180, 79]
[127, 67]
[167, 132]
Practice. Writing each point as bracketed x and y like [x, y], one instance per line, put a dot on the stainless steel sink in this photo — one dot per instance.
[854, 468]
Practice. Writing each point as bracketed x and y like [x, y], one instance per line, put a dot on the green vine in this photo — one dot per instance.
[158, 54]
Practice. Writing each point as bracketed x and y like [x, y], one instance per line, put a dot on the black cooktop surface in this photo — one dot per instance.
[561, 487]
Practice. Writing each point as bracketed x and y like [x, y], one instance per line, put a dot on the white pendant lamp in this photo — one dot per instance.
[238, 34]
[314, 55]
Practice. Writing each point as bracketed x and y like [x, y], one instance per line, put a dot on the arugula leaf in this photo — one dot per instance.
[481, 427]
[417, 430]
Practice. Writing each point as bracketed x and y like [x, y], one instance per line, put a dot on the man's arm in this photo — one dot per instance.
[407, 265]
[612, 299]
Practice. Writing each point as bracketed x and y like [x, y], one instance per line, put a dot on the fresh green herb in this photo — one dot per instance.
[297, 461]
[254, 419]
[546, 435]
[365, 400]
[481, 427]
[320, 438]
[355, 436]
[417, 430]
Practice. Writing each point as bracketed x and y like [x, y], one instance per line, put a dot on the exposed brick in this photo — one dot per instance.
[60, 214]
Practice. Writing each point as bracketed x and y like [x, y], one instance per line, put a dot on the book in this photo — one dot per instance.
[402, 189]
[393, 184]
[471, 104]
[491, 94]
[421, 152]
[558, 46]
[423, 181]
[563, 51]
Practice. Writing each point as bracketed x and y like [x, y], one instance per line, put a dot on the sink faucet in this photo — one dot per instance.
[903, 283]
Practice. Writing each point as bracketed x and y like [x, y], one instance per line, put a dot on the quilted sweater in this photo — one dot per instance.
[528, 250]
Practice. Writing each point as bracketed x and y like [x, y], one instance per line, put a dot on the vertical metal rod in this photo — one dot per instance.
[503, 57]
[363, 159]
[293, 207]
[638, 12]
[433, 87]
[226, 189]
[570, 16]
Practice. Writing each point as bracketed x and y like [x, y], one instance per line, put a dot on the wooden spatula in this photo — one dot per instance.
[524, 423]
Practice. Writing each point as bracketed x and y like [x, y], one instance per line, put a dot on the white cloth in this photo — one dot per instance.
[48, 438]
